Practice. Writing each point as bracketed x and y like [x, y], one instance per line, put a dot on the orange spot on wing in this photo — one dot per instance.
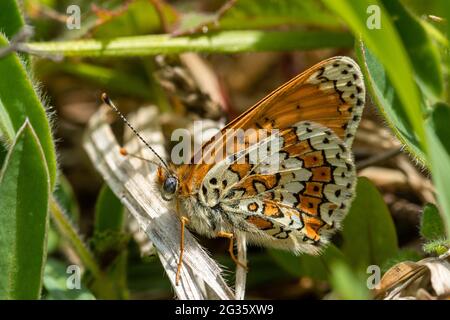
[271, 210]
[270, 181]
[312, 159]
[253, 206]
[345, 109]
[242, 169]
[260, 223]
[312, 226]
[290, 137]
[322, 174]
[313, 189]
[299, 149]
[309, 204]
[250, 183]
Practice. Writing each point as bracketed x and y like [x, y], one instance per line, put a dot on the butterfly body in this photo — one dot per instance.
[293, 195]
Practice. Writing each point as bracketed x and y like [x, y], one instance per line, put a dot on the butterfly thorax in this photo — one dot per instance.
[184, 194]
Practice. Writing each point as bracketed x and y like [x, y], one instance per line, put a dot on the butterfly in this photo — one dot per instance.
[293, 197]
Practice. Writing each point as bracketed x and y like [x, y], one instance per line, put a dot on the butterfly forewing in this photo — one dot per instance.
[330, 93]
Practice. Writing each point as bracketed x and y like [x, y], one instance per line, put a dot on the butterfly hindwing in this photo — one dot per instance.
[295, 194]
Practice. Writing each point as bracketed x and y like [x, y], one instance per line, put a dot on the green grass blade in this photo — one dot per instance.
[55, 282]
[11, 20]
[422, 52]
[264, 14]
[217, 42]
[387, 46]
[346, 284]
[438, 133]
[106, 78]
[256, 14]
[109, 212]
[315, 267]
[23, 217]
[110, 242]
[388, 102]
[20, 101]
[369, 232]
[431, 225]
[65, 195]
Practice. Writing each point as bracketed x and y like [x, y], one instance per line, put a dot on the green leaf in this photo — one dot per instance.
[438, 246]
[55, 282]
[431, 225]
[255, 14]
[438, 134]
[108, 79]
[214, 42]
[401, 256]
[445, 9]
[6, 127]
[109, 212]
[3, 150]
[67, 199]
[346, 284]
[53, 240]
[369, 235]
[103, 287]
[316, 267]
[423, 54]
[388, 102]
[140, 17]
[117, 18]
[23, 217]
[387, 46]
[19, 101]
[110, 242]
[11, 20]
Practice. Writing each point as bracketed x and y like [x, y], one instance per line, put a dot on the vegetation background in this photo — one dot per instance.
[56, 211]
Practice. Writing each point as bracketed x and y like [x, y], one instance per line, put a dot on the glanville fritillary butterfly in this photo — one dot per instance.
[296, 195]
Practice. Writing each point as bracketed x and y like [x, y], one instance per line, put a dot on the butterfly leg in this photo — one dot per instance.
[230, 236]
[183, 221]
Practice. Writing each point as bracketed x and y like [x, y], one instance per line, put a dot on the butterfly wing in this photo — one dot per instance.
[331, 93]
[293, 197]
[296, 196]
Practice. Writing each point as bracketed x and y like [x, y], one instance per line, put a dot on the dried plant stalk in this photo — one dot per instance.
[241, 273]
[427, 279]
[132, 183]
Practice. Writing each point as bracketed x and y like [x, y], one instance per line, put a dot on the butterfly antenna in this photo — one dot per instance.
[108, 101]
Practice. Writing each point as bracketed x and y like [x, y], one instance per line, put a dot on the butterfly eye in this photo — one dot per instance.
[170, 185]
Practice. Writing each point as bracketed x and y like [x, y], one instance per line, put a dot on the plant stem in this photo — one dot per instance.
[214, 42]
[103, 289]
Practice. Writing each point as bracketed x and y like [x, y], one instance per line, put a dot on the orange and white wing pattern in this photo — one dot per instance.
[294, 198]
[330, 93]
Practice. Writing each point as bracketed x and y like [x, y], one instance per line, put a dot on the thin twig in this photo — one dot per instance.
[17, 41]
[160, 12]
[378, 158]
